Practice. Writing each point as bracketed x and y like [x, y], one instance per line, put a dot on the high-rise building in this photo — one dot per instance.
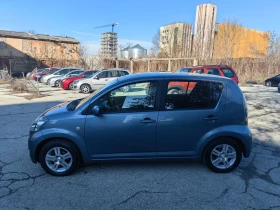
[176, 40]
[204, 31]
[109, 44]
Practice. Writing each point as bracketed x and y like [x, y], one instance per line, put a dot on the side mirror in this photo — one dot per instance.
[95, 110]
[96, 77]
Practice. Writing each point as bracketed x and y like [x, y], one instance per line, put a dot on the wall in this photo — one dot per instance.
[233, 41]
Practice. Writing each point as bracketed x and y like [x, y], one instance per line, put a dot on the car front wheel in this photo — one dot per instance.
[57, 83]
[71, 86]
[85, 88]
[268, 84]
[222, 155]
[59, 157]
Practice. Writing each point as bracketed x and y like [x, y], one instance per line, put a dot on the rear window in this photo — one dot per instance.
[198, 71]
[228, 73]
[184, 70]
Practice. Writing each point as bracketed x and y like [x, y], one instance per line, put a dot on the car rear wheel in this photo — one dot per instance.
[85, 88]
[59, 157]
[268, 84]
[71, 86]
[222, 155]
[57, 83]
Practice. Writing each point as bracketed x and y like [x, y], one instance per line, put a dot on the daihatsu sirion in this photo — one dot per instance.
[207, 121]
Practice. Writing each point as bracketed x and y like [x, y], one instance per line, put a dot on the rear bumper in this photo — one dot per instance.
[247, 142]
[52, 82]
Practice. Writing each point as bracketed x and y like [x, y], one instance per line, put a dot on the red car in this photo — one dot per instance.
[67, 83]
[219, 70]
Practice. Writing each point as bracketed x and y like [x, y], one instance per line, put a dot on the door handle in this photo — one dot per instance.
[211, 117]
[147, 120]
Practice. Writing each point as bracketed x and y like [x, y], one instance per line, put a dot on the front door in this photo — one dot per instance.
[126, 126]
[187, 117]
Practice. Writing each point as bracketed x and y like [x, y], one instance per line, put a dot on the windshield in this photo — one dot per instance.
[184, 70]
[95, 92]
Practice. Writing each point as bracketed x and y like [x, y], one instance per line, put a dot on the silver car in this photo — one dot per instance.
[99, 79]
[56, 81]
[45, 79]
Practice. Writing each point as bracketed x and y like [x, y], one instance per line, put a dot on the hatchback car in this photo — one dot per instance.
[219, 70]
[273, 81]
[68, 83]
[61, 72]
[207, 122]
[56, 81]
[101, 78]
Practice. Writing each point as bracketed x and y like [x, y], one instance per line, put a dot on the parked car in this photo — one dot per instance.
[100, 79]
[56, 81]
[67, 83]
[219, 70]
[38, 71]
[61, 72]
[273, 81]
[39, 75]
[207, 123]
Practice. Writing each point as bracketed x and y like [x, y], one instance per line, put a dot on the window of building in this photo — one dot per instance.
[192, 95]
[137, 97]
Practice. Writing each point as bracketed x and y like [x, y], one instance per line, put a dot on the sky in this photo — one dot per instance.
[138, 20]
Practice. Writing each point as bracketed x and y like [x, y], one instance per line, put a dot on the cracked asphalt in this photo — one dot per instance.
[255, 184]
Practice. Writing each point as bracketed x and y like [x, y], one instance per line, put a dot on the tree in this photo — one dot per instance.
[83, 54]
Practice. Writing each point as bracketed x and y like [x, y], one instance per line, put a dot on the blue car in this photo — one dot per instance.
[207, 121]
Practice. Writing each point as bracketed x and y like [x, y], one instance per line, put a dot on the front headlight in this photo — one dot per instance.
[37, 124]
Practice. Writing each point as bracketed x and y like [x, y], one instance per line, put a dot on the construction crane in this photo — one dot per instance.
[112, 25]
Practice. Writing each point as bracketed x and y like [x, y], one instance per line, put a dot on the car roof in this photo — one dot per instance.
[115, 69]
[206, 66]
[163, 75]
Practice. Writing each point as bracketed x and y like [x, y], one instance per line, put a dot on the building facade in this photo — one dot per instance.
[25, 50]
[234, 41]
[109, 44]
[204, 31]
[176, 40]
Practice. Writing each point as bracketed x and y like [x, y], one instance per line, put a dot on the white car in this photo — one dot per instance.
[56, 81]
[99, 79]
[61, 72]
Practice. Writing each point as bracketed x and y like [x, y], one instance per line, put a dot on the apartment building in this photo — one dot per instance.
[176, 40]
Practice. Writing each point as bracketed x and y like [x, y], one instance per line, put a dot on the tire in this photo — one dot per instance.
[268, 84]
[216, 156]
[174, 91]
[85, 88]
[57, 83]
[71, 86]
[63, 167]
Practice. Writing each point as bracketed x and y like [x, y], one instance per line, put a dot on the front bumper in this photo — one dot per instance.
[35, 138]
[52, 82]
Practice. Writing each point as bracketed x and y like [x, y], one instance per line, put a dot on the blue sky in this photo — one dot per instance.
[138, 20]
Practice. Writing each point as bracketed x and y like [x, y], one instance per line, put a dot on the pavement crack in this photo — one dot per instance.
[135, 194]
[14, 137]
[7, 123]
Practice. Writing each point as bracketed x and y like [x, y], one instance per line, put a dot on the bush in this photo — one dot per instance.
[19, 85]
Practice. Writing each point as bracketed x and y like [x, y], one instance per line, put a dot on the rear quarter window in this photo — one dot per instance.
[228, 72]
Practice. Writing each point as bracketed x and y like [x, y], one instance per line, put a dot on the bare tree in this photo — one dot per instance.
[227, 38]
[129, 44]
[83, 54]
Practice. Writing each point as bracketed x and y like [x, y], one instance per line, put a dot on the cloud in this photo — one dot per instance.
[85, 33]
[93, 47]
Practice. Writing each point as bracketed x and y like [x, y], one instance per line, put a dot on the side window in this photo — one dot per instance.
[125, 73]
[228, 73]
[198, 71]
[114, 74]
[103, 74]
[130, 98]
[88, 74]
[213, 71]
[193, 95]
[63, 72]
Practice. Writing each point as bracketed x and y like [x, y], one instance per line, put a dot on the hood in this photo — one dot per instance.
[84, 79]
[73, 78]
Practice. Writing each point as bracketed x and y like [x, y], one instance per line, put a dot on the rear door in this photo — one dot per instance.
[186, 117]
[213, 71]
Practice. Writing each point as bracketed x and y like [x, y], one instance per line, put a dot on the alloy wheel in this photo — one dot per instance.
[223, 156]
